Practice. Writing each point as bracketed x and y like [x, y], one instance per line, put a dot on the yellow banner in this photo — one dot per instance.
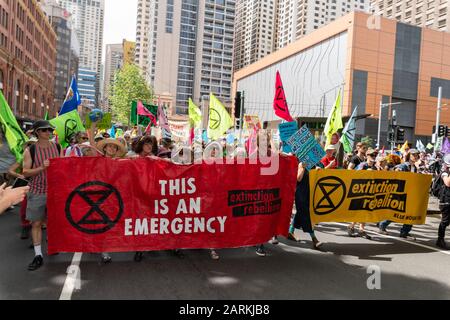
[368, 196]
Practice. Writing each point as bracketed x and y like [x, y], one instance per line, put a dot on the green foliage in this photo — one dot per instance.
[129, 85]
[368, 141]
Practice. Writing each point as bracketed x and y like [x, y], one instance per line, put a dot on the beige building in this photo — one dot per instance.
[264, 26]
[191, 50]
[113, 62]
[142, 36]
[423, 13]
[254, 31]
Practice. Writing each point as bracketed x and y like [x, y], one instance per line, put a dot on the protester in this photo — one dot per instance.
[111, 148]
[444, 203]
[36, 162]
[302, 217]
[145, 147]
[74, 150]
[7, 159]
[16, 171]
[369, 164]
[360, 156]
[412, 164]
[10, 197]
[330, 161]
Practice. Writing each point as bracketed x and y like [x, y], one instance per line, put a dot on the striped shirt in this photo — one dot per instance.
[38, 184]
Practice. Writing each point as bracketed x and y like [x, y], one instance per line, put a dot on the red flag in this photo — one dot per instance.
[279, 103]
[142, 111]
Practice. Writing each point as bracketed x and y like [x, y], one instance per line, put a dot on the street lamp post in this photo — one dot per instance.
[382, 105]
[438, 114]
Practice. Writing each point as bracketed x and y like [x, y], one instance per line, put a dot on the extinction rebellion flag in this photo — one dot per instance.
[158, 205]
[369, 196]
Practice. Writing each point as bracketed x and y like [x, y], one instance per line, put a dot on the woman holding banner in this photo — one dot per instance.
[111, 148]
[146, 146]
[302, 217]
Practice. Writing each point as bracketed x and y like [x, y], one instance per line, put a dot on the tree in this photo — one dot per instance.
[368, 141]
[129, 85]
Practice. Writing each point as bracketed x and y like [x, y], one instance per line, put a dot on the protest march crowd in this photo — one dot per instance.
[41, 147]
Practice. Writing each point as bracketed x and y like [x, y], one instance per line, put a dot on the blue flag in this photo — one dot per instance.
[112, 132]
[73, 99]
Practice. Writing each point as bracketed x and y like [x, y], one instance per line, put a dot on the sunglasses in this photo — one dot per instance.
[84, 138]
[46, 130]
[373, 155]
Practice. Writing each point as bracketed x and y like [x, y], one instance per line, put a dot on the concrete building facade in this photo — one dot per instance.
[145, 9]
[60, 20]
[423, 13]
[191, 49]
[254, 31]
[394, 62]
[114, 60]
[263, 26]
[88, 21]
[27, 59]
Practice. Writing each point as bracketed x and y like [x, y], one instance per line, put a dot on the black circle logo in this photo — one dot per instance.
[214, 119]
[329, 194]
[94, 207]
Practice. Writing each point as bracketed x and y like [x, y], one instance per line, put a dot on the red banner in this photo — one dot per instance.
[107, 205]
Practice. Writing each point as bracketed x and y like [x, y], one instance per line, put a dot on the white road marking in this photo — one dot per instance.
[73, 279]
[397, 238]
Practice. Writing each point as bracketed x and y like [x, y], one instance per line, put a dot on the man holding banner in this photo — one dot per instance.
[36, 162]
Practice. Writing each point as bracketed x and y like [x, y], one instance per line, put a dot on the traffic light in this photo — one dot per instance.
[399, 135]
[237, 105]
[442, 131]
[391, 136]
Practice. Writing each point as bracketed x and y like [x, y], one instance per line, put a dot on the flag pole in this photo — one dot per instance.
[137, 120]
[241, 125]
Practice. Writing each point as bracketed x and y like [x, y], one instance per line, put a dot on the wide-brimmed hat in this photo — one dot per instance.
[331, 147]
[102, 144]
[42, 124]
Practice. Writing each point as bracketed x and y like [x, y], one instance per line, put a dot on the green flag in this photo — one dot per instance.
[143, 121]
[334, 122]
[105, 123]
[195, 115]
[66, 125]
[348, 135]
[219, 119]
[14, 135]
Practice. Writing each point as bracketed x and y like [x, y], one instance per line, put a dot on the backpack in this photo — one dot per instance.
[439, 189]
[33, 152]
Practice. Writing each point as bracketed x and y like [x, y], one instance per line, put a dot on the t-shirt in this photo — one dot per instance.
[7, 159]
[356, 161]
[366, 166]
[326, 161]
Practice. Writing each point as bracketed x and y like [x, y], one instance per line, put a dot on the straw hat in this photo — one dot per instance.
[121, 148]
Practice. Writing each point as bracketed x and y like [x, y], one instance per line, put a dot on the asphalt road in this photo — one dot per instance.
[409, 270]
